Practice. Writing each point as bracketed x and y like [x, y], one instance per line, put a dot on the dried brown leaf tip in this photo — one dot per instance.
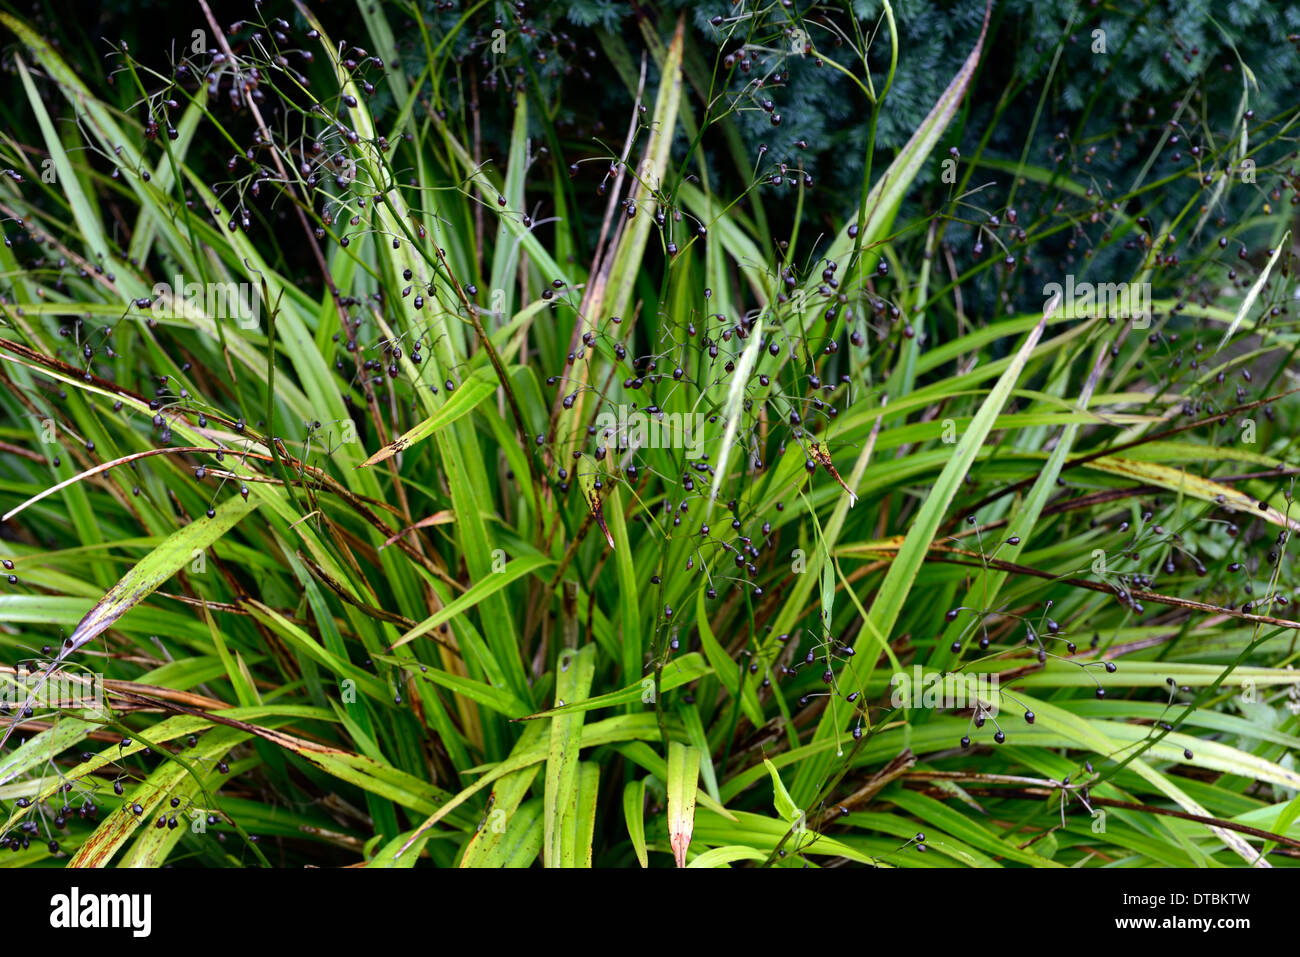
[823, 458]
[387, 452]
[598, 513]
[591, 484]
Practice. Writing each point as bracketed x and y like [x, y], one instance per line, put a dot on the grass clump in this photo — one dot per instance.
[401, 466]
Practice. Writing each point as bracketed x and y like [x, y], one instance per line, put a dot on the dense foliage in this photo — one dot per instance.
[487, 435]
